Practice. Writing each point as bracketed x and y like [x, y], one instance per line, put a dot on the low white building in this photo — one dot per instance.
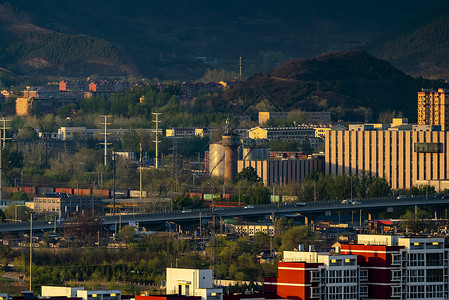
[80, 292]
[192, 282]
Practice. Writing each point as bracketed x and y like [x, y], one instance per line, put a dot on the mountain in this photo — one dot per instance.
[181, 39]
[353, 85]
[420, 47]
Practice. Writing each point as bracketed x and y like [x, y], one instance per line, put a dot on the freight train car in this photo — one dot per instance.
[101, 193]
[45, 190]
[68, 191]
[82, 192]
[136, 194]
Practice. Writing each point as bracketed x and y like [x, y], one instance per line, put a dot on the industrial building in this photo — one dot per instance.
[272, 167]
[405, 155]
[61, 203]
[313, 117]
[80, 293]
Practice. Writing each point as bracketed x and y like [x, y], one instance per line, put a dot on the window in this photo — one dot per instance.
[363, 275]
[416, 276]
[434, 259]
[363, 291]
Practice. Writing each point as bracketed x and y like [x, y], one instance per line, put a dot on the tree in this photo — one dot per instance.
[83, 229]
[258, 194]
[20, 196]
[22, 212]
[248, 173]
[295, 236]
[297, 117]
[379, 188]
[418, 221]
[127, 233]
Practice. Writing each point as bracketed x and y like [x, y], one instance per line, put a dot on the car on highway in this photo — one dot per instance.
[356, 202]
[401, 197]
[444, 196]
[300, 204]
[249, 206]
[186, 211]
[346, 201]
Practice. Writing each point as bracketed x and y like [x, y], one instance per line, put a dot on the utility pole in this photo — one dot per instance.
[2, 145]
[113, 181]
[31, 250]
[156, 160]
[240, 67]
[106, 133]
[140, 162]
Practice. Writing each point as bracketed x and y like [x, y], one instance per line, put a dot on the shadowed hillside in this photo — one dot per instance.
[352, 85]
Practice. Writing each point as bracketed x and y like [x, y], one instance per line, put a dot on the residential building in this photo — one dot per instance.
[395, 267]
[433, 108]
[315, 275]
[403, 157]
[377, 267]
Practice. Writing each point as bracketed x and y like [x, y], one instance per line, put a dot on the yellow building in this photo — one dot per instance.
[257, 133]
[321, 131]
[433, 109]
[23, 106]
[403, 157]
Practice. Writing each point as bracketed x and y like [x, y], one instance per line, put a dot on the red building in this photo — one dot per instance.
[377, 267]
[63, 86]
[378, 272]
[92, 87]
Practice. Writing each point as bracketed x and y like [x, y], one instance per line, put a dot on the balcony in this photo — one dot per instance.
[315, 292]
[396, 259]
[315, 276]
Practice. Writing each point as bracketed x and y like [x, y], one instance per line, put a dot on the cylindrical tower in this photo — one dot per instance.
[216, 160]
[230, 142]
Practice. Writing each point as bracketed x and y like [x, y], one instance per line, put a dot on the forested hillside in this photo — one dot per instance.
[181, 40]
[421, 48]
[352, 85]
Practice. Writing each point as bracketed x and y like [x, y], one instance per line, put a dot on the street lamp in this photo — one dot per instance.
[31, 250]
[274, 194]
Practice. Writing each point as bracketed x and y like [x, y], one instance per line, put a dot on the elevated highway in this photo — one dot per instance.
[310, 208]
